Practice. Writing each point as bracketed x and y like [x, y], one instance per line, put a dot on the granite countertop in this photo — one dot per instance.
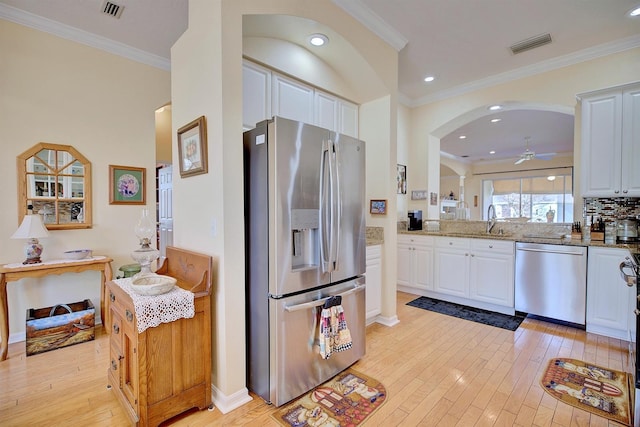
[556, 236]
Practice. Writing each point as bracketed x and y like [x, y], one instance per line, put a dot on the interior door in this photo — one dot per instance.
[165, 209]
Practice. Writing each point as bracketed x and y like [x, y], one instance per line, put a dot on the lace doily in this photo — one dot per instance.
[152, 310]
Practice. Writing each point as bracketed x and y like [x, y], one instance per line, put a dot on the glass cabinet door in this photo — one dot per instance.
[56, 181]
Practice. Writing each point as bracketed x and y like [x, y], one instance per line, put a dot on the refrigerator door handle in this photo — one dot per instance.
[321, 301]
[325, 202]
[336, 204]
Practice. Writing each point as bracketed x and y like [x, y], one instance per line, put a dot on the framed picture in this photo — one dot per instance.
[192, 148]
[402, 179]
[433, 198]
[126, 185]
[378, 207]
[418, 194]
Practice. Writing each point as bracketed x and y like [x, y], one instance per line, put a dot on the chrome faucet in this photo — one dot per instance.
[491, 218]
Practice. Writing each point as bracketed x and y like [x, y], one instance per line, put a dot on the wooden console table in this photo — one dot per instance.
[13, 272]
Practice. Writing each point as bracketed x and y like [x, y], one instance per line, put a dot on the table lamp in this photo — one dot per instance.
[31, 228]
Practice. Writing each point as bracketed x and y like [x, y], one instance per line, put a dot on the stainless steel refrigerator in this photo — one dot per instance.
[305, 242]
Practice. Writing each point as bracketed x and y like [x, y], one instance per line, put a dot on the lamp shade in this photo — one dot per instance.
[31, 228]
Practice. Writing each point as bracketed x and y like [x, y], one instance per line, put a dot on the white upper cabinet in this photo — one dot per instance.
[326, 111]
[348, 119]
[291, 99]
[256, 94]
[266, 93]
[611, 142]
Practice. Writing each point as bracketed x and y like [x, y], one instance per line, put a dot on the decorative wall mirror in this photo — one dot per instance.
[56, 181]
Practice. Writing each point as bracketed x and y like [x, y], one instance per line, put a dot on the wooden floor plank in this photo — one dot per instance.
[438, 371]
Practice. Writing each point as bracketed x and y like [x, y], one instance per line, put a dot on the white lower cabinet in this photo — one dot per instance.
[451, 262]
[415, 262]
[491, 271]
[373, 295]
[610, 302]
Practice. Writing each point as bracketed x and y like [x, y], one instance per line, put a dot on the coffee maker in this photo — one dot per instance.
[415, 220]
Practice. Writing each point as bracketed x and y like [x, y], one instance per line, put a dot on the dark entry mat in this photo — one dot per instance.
[477, 315]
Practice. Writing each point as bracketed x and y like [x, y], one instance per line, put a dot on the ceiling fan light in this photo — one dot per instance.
[635, 12]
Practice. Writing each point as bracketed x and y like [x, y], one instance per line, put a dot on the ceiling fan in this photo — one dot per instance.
[529, 155]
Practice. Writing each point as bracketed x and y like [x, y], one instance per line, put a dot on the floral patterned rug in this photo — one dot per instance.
[601, 391]
[345, 400]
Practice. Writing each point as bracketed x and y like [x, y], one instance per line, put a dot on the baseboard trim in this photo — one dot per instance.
[226, 403]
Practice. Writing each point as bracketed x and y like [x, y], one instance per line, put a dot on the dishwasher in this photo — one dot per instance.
[551, 281]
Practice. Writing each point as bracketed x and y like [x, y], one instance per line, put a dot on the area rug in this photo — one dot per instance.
[473, 314]
[347, 399]
[601, 391]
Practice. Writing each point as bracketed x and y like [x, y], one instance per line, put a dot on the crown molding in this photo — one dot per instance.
[64, 31]
[373, 22]
[537, 68]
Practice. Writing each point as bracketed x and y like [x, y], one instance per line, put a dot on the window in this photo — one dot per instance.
[540, 198]
[56, 181]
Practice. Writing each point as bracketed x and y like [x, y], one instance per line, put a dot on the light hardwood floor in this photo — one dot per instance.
[438, 371]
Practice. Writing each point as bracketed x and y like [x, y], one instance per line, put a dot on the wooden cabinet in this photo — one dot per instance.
[611, 142]
[164, 370]
[373, 296]
[491, 271]
[415, 263]
[610, 302]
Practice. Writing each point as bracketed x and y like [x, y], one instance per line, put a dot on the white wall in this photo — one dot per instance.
[208, 209]
[556, 88]
[58, 91]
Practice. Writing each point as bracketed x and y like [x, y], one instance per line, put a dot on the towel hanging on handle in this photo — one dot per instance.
[334, 335]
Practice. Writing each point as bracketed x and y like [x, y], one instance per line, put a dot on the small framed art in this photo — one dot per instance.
[192, 148]
[401, 172]
[378, 207]
[418, 194]
[127, 185]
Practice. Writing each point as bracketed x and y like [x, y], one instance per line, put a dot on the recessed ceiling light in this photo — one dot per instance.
[462, 137]
[551, 178]
[429, 79]
[495, 107]
[318, 39]
[492, 152]
[635, 12]
[495, 120]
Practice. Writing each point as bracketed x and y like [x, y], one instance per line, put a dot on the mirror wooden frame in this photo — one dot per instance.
[27, 197]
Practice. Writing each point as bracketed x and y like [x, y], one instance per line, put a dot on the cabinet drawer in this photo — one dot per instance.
[498, 246]
[452, 242]
[415, 240]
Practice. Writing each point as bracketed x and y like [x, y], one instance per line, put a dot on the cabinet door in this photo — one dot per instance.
[491, 278]
[610, 302]
[631, 143]
[256, 94]
[348, 118]
[292, 100]
[404, 264]
[423, 265]
[373, 295]
[601, 145]
[326, 111]
[129, 366]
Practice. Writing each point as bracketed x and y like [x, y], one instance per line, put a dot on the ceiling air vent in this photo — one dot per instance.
[112, 9]
[531, 43]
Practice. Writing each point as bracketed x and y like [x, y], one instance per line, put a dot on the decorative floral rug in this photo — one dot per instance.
[601, 391]
[345, 400]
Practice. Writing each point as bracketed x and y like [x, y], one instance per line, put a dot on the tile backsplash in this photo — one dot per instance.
[611, 208]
